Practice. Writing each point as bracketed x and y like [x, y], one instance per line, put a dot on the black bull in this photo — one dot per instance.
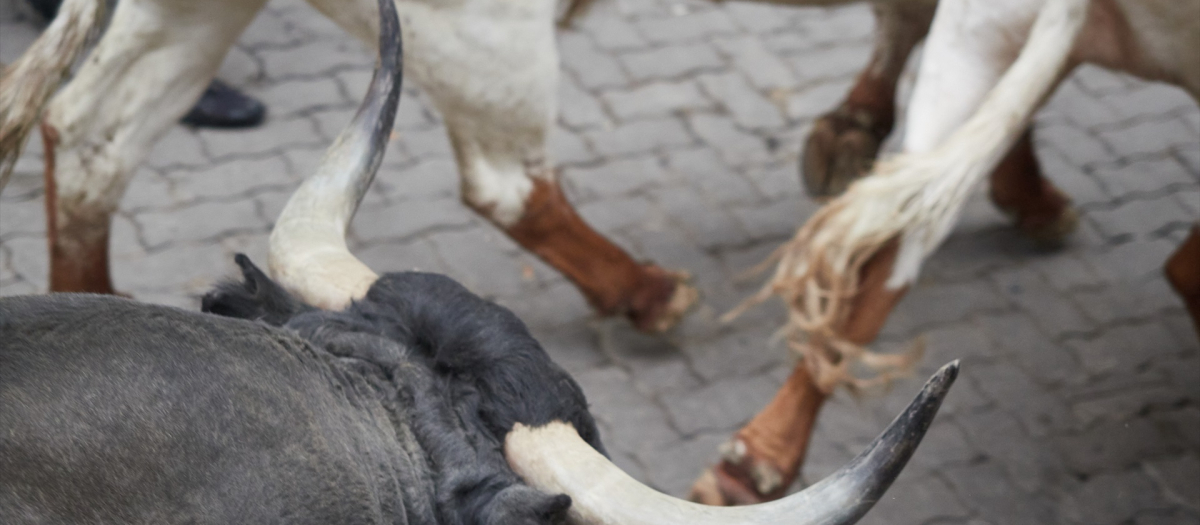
[392, 411]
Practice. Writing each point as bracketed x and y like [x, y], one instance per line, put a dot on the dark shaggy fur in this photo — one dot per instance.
[392, 411]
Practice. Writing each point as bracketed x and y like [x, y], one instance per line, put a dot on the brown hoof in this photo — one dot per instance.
[738, 479]
[841, 149]
[662, 301]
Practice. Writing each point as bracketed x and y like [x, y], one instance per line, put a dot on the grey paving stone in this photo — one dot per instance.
[1138, 140]
[1145, 177]
[747, 107]
[1138, 217]
[710, 227]
[719, 406]
[1055, 313]
[613, 33]
[1113, 498]
[568, 148]
[1124, 348]
[28, 261]
[1041, 412]
[179, 147]
[578, 108]
[828, 63]
[670, 468]
[640, 136]
[426, 144]
[200, 222]
[614, 214]
[1179, 477]
[815, 100]
[980, 487]
[658, 99]
[1077, 184]
[22, 218]
[777, 220]
[481, 261]
[302, 96]
[149, 190]
[700, 168]
[943, 303]
[757, 18]
[837, 26]
[671, 62]
[1114, 446]
[733, 354]
[1077, 146]
[1124, 301]
[1097, 81]
[186, 270]
[1001, 438]
[764, 69]
[593, 68]
[1073, 101]
[634, 423]
[272, 137]
[417, 255]
[736, 147]
[1046, 361]
[687, 28]
[619, 177]
[922, 500]
[231, 180]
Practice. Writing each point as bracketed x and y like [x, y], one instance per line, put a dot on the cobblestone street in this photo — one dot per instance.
[680, 127]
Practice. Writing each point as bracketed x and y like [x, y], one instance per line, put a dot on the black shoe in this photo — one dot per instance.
[46, 8]
[222, 106]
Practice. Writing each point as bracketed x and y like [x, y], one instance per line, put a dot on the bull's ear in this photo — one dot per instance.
[257, 297]
[254, 279]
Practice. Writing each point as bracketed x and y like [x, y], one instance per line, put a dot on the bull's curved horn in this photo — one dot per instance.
[308, 253]
[554, 458]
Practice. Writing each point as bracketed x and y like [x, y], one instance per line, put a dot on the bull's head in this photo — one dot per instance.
[309, 257]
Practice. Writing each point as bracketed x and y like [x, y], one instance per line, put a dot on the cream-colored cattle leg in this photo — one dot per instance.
[844, 142]
[151, 65]
[491, 68]
[971, 50]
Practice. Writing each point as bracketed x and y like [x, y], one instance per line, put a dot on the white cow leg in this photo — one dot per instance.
[968, 51]
[844, 142]
[152, 64]
[491, 68]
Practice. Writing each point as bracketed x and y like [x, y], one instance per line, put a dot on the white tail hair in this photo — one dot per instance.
[914, 199]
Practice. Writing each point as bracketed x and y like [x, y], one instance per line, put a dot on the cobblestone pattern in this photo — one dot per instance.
[680, 128]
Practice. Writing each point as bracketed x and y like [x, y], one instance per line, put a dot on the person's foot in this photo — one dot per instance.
[222, 106]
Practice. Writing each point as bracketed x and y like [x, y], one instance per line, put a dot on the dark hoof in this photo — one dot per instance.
[222, 106]
[841, 148]
[662, 301]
